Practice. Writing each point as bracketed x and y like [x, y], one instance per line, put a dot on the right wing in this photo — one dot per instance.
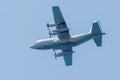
[63, 31]
[67, 57]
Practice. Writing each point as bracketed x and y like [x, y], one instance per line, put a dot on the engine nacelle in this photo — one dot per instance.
[63, 53]
[61, 30]
[53, 33]
[51, 25]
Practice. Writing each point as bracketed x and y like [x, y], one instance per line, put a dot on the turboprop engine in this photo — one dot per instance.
[51, 25]
[62, 53]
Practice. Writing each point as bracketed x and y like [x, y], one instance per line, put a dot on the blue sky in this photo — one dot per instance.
[24, 21]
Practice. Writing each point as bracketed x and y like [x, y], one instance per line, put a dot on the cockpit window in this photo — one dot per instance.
[36, 42]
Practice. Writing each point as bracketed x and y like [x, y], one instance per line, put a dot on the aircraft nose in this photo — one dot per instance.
[32, 46]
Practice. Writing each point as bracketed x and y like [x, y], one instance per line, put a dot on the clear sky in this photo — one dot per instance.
[24, 21]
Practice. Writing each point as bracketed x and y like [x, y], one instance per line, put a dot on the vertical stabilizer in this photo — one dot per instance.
[96, 29]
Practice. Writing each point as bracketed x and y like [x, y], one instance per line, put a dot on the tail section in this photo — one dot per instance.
[96, 29]
[98, 41]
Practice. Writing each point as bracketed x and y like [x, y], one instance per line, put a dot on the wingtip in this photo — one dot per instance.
[68, 64]
[96, 21]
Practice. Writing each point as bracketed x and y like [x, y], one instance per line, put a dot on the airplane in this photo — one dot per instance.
[64, 41]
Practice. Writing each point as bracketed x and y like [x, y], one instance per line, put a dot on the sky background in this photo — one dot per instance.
[22, 22]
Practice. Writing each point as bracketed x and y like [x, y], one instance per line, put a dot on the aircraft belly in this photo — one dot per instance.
[74, 41]
[55, 46]
[62, 46]
[81, 39]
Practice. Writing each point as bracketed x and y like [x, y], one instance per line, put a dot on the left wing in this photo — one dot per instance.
[68, 57]
[63, 31]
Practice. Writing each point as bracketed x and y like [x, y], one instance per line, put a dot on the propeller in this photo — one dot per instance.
[55, 54]
[47, 25]
[49, 33]
[48, 29]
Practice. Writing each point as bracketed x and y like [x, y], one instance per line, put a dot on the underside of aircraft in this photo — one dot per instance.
[64, 41]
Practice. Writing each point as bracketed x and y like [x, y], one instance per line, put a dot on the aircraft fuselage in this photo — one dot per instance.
[55, 43]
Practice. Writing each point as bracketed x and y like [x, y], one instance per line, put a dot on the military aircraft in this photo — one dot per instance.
[64, 41]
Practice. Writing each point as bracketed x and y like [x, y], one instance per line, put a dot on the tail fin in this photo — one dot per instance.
[97, 30]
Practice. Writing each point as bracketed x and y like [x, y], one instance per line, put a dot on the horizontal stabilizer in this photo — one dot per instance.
[98, 41]
[96, 30]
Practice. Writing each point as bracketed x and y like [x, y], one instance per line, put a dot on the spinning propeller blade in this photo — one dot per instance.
[48, 29]
[55, 54]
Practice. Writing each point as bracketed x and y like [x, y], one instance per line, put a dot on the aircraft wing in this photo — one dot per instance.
[68, 57]
[63, 31]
